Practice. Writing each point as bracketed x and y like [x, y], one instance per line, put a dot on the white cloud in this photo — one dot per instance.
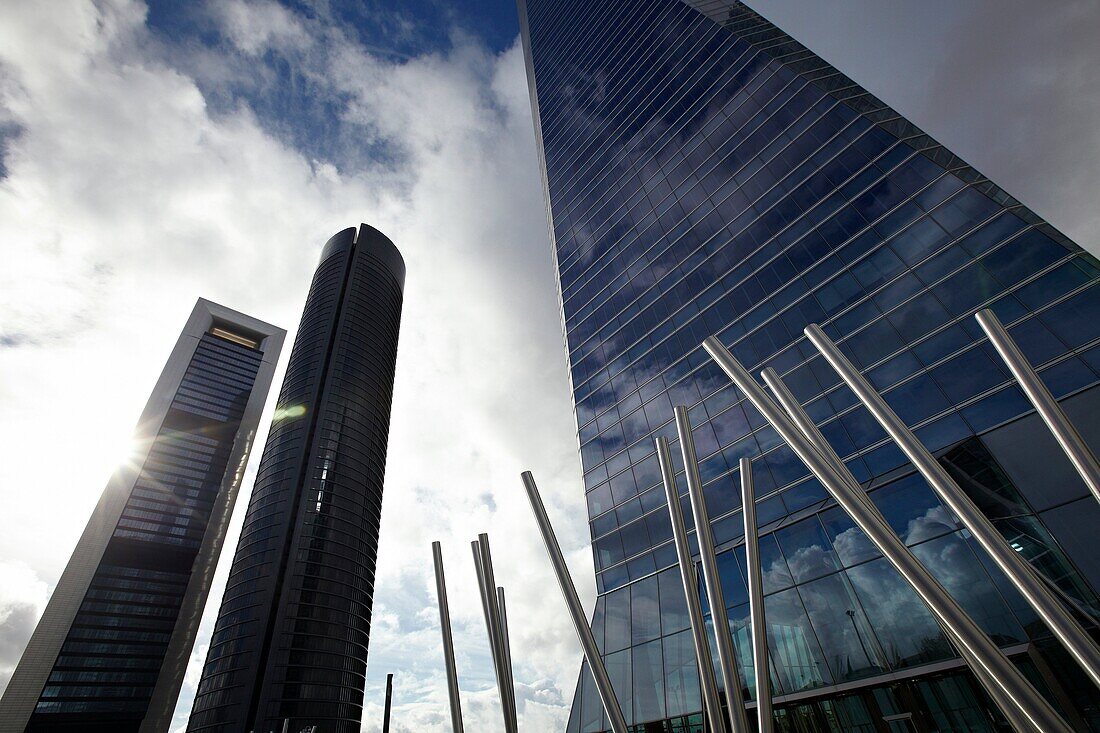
[254, 26]
[126, 198]
[23, 596]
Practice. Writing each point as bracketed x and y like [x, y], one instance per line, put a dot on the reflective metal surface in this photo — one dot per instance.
[1078, 452]
[711, 702]
[576, 613]
[448, 642]
[1019, 572]
[727, 655]
[946, 610]
[765, 722]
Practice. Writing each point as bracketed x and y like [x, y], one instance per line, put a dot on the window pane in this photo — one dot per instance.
[681, 674]
[950, 560]
[674, 614]
[649, 682]
[618, 669]
[773, 568]
[808, 552]
[849, 542]
[845, 636]
[645, 611]
[906, 630]
[912, 510]
[794, 650]
[617, 620]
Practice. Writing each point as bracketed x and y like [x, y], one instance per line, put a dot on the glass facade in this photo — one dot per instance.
[113, 652]
[290, 642]
[707, 178]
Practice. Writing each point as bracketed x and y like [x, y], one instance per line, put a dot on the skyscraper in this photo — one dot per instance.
[111, 649]
[707, 174]
[290, 641]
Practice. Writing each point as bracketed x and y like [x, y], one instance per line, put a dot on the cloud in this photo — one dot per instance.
[255, 26]
[128, 194]
[23, 596]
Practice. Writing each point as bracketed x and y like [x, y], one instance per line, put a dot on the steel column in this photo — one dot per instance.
[711, 702]
[1078, 452]
[488, 605]
[809, 429]
[765, 721]
[448, 641]
[576, 612]
[494, 611]
[507, 644]
[389, 697]
[1019, 572]
[727, 655]
[946, 610]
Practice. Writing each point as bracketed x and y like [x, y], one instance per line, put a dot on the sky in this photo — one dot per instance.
[154, 153]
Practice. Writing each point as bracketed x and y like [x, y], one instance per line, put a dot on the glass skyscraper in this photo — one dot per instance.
[111, 649]
[707, 174]
[290, 642]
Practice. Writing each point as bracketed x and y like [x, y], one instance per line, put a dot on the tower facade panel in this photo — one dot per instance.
[291, 637]
[708, 175]
[112, 646]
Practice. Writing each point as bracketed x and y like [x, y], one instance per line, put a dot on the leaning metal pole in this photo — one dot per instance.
[1021, 574]
[576, 613]
[448, 641]
[765, 722]
[1083, 459]
[709, 685]
[507, 644]
[802, 420]
[727, 655]
[389, 697]
[506, 689]
[487, 605]
[946, 610]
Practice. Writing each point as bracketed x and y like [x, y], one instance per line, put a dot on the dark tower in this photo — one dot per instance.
[706, 174]
[291, 637]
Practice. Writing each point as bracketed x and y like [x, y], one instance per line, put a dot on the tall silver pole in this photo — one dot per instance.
[727, 656]
[802, 420]
[448, 641]
[507, 645]
[487, 605]
[506, 689]
[707, 683]
[764, 718]
[946, 610]
[576, 613]
[1022, 575]
[1075, 447]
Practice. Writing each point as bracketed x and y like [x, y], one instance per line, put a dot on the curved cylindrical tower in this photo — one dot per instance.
[291, 636]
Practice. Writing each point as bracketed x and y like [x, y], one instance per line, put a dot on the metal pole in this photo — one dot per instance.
[1083, 459]
[802, 420]
[727, 656]
[764, 718]
[946, 610]
[1022, 575]
[707, 683]
[487, 605]
[498, 639]
[448, 641]
[507, 645]
[389, 696]
[576, 613]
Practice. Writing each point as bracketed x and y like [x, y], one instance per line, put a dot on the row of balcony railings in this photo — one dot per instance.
[1021, 704]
